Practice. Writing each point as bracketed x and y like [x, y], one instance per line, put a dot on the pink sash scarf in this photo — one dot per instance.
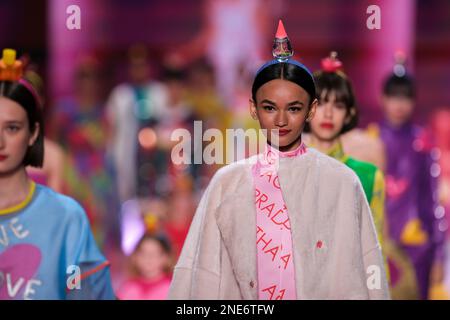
[276, 273]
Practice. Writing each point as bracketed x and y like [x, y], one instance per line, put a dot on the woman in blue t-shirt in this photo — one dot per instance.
[47, 250]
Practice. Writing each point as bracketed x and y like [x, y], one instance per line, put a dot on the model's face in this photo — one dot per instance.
[398, 110]
[15, 135]
[282, 106]
[329, 119]
[150, 259]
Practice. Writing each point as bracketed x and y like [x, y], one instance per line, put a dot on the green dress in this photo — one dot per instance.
[372, 181]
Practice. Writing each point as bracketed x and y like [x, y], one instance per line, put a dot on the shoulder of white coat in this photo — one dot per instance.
[237, 166]
[332, 168]
[234, 170]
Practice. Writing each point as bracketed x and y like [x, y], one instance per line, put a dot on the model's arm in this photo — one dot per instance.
[87, 271]
[373, 260]
[197, 272]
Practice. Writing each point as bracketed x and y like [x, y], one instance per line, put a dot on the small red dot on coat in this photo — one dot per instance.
[319, 244]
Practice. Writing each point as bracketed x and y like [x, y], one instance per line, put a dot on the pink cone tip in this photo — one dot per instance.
[281, 33]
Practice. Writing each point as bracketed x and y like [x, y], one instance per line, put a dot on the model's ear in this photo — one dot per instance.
[252, 107]
[35, 134]
[312, 110]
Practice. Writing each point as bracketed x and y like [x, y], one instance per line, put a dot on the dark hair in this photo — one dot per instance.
[285, 71]
[20, 94]
[160, 238]
[395, 86]
[336, 83]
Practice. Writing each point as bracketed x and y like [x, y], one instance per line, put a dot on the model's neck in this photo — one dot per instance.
[14, 188]
[294, 145]
[323, 145]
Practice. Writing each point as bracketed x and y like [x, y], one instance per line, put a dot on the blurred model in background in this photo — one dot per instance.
[336, 114]
[411, 189]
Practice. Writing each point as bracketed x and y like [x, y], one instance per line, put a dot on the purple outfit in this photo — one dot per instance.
[411, 199]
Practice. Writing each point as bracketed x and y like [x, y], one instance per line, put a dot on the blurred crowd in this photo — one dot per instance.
[109, 146]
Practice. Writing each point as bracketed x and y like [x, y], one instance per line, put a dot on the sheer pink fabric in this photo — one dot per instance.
[276, 273]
